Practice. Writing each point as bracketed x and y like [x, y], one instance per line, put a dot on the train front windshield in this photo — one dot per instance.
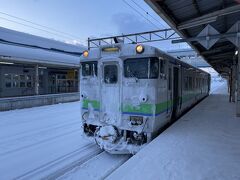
[141, 68]
[110, 74]
[89, 68]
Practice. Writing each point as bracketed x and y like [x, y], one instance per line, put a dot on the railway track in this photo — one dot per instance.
[34, 132]
[98, 167]
[63, 164]
[42, 141]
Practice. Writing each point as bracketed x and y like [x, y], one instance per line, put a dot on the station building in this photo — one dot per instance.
[36, 71]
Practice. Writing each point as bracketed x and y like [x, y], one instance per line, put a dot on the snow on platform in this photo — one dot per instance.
[203, 144]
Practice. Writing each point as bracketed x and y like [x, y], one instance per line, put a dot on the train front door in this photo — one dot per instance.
[110, 105]
[175, 91]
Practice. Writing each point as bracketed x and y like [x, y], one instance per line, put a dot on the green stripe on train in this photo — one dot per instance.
[94, 103]
[142, 108]
[160, 107]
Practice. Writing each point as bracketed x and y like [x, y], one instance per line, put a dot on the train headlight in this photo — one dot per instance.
[139, 49]
[85, 53]
[136, 120]
[85, 116]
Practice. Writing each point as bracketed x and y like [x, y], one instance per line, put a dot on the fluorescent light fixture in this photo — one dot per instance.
[236, 52]
[42, 67]
[1, 62]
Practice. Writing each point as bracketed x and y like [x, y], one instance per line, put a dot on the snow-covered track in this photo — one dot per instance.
[34, 132]
[63, 164]
[98, 167]
[36, 143]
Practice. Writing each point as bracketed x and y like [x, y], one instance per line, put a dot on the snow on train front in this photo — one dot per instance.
[111, 103]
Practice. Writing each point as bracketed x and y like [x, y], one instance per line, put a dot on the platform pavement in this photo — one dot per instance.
[203, 144]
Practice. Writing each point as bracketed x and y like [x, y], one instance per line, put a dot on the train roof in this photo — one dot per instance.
[127, 50]
[179, 62]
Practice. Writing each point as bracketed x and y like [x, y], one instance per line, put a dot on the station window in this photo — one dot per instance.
[8, 80]
[22, 77]
[29, 78]
[8, 84]
[110, 74]
[22, 84]
[61, 76]
[18, 81]
[29, 84]
[7, 76]
[16, 77]
[15, 84]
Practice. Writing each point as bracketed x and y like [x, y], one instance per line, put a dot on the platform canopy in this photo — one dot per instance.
[208, 26]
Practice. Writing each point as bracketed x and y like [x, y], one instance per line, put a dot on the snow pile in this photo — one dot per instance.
[205, 146]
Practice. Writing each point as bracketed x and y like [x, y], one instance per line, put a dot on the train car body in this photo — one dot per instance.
[129, 92]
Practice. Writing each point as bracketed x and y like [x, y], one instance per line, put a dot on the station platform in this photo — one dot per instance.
[22, 102]
[203, 144]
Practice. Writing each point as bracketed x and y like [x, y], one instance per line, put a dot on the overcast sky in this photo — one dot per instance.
[81, 18]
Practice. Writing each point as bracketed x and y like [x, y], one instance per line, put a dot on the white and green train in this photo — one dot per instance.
[129, 92]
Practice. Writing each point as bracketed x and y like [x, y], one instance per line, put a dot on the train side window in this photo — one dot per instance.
[194, 83]
[190, 83]
[161, 67]
[8, 79]
[141, 68]
[186, 83]
[169, 79]
[154, 68]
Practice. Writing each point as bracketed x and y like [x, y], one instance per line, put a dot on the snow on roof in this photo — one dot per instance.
[21, 47]
[18, 54]
[28, 39]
